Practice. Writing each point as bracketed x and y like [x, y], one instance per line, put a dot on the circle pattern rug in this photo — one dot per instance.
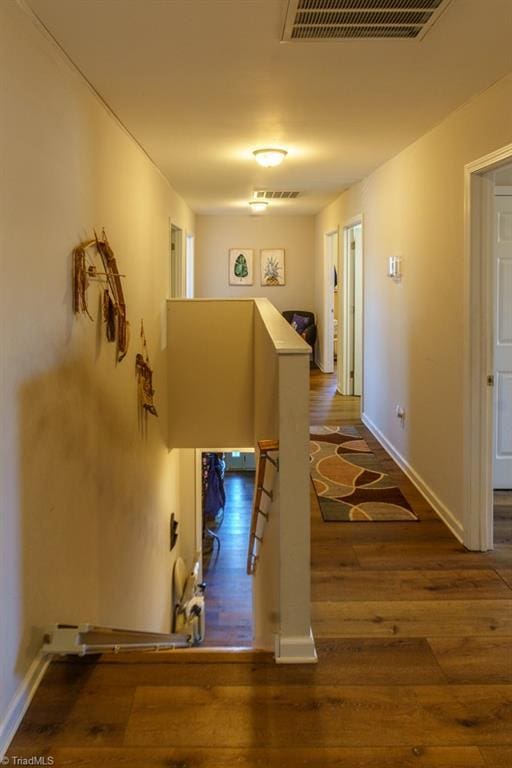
[349, 481]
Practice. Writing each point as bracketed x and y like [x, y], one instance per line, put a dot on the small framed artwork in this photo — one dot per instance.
[272, 266]
[240, 266]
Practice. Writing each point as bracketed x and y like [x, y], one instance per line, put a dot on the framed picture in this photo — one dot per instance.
[240, 266]
[272, 266]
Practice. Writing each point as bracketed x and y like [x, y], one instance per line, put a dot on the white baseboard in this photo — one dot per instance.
[437, 505]
[297, 649]
[322, 368]
[20, 701]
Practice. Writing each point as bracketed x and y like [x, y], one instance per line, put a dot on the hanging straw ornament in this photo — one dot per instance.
[116, 291]
[80, 282]
[145, 376]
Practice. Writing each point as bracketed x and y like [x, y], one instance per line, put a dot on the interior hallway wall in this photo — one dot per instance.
[413, 207]
[215, 235]
[86, 491]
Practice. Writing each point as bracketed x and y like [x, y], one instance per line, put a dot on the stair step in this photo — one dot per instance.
[194, 655]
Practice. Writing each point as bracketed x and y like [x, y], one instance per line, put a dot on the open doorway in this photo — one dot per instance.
[328, 355]
[488, 397]
[350, 369]
[189, 266]
[176, 271]
[227, 488]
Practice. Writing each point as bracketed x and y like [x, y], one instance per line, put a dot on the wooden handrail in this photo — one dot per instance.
[264, 448]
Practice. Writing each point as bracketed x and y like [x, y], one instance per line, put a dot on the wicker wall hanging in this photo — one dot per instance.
[80, 281]
[114, 306]
[145, 376]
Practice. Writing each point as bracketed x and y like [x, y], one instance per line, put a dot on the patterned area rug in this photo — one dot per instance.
[349, 483]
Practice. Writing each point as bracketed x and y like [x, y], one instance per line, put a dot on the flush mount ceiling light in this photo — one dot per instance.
[258, 206]
[269, 158]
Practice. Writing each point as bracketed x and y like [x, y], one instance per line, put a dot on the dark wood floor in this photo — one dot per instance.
[228, 587]
[326, 406]
[414, 636]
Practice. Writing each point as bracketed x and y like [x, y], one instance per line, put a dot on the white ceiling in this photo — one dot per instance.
[201, 83]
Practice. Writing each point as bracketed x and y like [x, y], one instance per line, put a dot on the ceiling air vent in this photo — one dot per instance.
[275, 194]
[317, 20]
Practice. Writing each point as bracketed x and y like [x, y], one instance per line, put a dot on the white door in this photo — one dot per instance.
[503, 343]
[350, 310]
[358, 310]
[189, 267]
[330, 259]
[352, 322]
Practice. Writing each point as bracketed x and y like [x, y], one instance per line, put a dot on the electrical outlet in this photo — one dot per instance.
[400, 413]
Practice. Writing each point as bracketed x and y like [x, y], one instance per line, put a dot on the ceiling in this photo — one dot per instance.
[201, 83]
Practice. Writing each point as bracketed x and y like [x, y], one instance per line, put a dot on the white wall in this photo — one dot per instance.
[86, 494]
[413, 207]
[211, 373]
[215, 235]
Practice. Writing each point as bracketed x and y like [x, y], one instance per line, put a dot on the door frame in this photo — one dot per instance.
[327, 351]
[478, 417]
[176, 291]
[189, 265]
[344, 384]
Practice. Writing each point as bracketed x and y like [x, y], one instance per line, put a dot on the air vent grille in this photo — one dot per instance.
[312, 33]
[355, 19]
[381, 5]
[276, 194]
[310, 18]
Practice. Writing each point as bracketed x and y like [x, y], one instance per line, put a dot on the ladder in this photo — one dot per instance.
[265, 448]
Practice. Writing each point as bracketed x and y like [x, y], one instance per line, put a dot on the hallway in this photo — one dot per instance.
[414, 636]
[225, 151]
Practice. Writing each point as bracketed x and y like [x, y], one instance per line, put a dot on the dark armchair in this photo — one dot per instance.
[309, 330]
